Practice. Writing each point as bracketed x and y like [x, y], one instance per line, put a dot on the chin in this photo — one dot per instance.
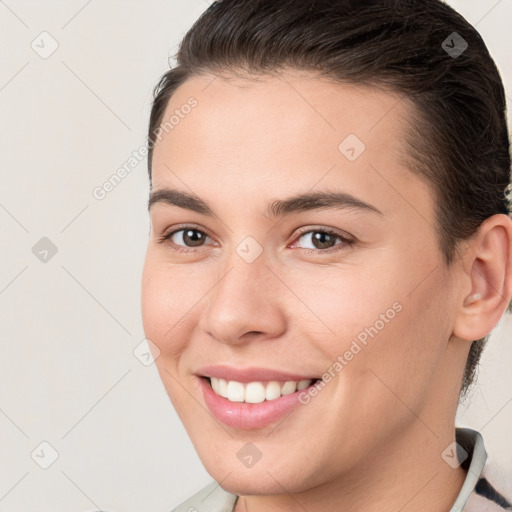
[252, 484]
[262, 480]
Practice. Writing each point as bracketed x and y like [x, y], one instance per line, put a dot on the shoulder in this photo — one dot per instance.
[491, 493]
[212, 498]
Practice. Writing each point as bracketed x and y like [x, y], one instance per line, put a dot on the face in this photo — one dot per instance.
[249, 289]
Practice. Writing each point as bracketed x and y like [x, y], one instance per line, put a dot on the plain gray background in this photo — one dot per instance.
[70, 324]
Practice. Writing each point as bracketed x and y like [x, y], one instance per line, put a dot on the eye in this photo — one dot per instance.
[324, 240]
[187, 237]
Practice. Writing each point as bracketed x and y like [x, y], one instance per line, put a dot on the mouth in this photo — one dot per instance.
[252, 405]
[257, 391]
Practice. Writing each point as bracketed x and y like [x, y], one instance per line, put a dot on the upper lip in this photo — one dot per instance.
[250, 374]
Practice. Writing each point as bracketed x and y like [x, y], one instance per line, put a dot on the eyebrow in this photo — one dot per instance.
[281, 207]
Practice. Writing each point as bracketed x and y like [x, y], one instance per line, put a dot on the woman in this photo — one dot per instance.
[330, 248]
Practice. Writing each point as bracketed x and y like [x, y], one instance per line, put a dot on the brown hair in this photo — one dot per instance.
[422, 49]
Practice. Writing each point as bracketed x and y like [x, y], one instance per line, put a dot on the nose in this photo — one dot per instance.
[245, 304]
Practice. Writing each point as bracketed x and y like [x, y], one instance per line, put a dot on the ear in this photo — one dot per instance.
[487, 279]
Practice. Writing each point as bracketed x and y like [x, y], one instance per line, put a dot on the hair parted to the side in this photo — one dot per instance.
[458, 140]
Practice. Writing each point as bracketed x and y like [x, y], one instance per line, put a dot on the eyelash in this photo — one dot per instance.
[345, 241]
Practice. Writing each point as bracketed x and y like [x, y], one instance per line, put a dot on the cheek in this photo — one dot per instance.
[406, 353]
[341, 303]
[167, 303]
[377, 316]
[167, 298]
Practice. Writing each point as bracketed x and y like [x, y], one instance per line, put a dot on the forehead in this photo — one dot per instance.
[292, 129]
[256, 111]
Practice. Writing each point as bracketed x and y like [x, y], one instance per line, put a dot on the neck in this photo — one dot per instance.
[406, 474]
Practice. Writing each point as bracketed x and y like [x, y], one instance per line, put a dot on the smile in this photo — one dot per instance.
[257, 391]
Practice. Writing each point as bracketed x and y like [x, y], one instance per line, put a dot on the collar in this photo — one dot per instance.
[478, 493]
[471, 451]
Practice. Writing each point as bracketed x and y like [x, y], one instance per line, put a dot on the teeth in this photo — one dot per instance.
[273, 390]
[255, 392]
[289, 387]
[303, 384]
[215, 385]
[223, 388]
[235, 391]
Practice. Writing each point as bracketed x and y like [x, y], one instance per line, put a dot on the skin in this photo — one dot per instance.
[391, 411]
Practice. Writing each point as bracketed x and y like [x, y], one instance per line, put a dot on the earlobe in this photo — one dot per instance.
[489, 259]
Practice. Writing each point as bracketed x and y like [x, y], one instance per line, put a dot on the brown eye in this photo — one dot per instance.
[188, 237]
[323, 241]
[320, 239]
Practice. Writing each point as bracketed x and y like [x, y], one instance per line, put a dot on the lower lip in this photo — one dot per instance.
[245, 415]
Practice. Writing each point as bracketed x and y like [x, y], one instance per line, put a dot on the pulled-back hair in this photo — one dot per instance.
[457, 136]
